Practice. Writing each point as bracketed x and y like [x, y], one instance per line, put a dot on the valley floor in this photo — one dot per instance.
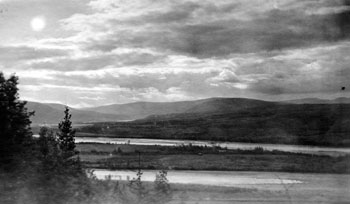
[323, 179]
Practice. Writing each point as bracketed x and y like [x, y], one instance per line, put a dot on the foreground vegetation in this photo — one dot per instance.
[123, 156]
[48, 170]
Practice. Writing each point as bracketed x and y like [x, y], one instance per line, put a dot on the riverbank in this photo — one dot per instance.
[124, 156]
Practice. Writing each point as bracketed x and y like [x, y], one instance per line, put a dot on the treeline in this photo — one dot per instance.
[47, 170]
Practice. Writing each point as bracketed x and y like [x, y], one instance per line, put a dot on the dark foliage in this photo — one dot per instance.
[15, 133]
[45, 170]
[161, 182]
[66, 135]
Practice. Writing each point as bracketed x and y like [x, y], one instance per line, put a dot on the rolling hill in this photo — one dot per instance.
[257, 122]
[305, 121]
[140, 110]
[51, 113]
[305, 124]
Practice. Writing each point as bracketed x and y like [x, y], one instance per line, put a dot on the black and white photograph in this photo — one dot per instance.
[174, 101]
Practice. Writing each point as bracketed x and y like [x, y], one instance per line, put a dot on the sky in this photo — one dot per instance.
[90, 53]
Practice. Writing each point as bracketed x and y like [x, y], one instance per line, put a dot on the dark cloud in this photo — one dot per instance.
[180, 29]
[318, 70]
[178, 14]
[275, 86]
[342, 20]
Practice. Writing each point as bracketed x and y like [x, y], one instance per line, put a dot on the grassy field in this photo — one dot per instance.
[118, 156]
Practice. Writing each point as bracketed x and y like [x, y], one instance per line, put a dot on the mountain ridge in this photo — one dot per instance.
[51, 113]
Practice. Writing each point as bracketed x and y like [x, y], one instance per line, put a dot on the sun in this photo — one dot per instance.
[38, 23]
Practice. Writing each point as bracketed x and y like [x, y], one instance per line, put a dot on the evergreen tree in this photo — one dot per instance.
[15, 132]
[66, 135]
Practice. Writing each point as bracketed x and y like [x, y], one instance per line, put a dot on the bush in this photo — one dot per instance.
[258, 150]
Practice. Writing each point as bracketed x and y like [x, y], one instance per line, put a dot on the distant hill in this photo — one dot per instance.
[140, 110]
[306, 121]
[143, 109]
[225, 105]
[53, 113]
[341, 100]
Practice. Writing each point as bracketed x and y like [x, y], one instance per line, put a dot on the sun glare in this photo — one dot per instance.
[38, 23]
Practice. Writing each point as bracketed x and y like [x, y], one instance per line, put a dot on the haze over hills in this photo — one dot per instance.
[143, 109]
[51, 113]
[139, 110]
[341, 100]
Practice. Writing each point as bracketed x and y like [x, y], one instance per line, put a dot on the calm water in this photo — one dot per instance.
[229, 145]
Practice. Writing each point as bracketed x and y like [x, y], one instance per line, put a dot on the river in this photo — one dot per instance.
[247, 179]
[332, 151]
[222, 187]
[215, 178]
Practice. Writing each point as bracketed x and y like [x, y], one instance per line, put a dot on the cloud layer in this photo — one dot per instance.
[110, 51]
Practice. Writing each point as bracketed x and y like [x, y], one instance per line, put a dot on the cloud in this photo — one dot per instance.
[116, 51]
[22, 53]
[295, 72]
[98, 60]
[207, 29]
[225, 76]
[321, 69]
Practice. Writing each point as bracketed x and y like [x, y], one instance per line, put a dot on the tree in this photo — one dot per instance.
[36, 170]
[66, 135]
[161, 182]
[15, 132]
[60, 179]
[48, 144]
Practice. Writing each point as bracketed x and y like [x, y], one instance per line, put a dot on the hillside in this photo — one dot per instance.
[140, 110]
[218, 119]
[143, 109]
[308, 124]
[51, 113]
